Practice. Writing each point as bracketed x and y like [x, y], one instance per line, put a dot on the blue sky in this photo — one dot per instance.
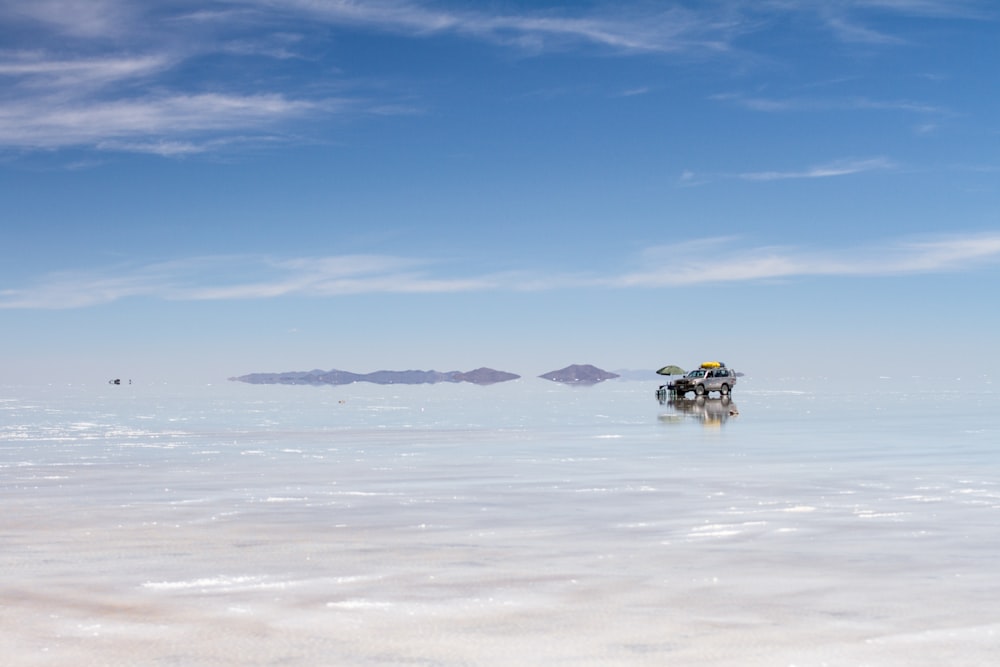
[193, 190]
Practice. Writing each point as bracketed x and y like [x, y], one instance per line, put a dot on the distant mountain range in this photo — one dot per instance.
[319, 377]
[576, 374]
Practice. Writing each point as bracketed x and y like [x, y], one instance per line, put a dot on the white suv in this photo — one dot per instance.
[706, 379]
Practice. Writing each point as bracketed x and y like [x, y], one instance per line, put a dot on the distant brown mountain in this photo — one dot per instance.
[579, 374]
[482, 376]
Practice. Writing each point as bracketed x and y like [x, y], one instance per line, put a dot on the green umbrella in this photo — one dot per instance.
[670, 370]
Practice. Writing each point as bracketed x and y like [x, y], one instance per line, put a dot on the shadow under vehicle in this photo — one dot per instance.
[710, 411]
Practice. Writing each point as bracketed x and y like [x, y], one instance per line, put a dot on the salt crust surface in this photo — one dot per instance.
[523, 524]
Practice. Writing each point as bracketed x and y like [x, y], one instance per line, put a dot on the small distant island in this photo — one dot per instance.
[481, 376]
[579, 374]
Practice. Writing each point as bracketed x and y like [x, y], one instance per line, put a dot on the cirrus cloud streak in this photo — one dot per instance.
[221, 278]
[682, 264]
[76, 74]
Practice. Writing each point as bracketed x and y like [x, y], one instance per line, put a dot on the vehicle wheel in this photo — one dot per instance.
[699, 390]
[724, 389]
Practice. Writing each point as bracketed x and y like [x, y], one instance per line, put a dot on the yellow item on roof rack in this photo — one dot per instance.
[711, 364]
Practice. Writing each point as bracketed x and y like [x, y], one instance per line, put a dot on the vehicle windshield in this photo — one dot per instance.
[697, 373]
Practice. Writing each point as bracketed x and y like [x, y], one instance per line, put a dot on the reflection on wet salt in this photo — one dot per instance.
[709, 411]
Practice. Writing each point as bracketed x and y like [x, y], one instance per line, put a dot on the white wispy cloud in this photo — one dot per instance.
[218, 278]
[839, 168]
[89, 19]
[38, 70]
[855, 21]
[100, 122]
[642, 27]
[806, 104]
[846, 167]
[681, 265]
[691, 179]
[964, 9]
[668, 29]
[226, 278]
[123, 75]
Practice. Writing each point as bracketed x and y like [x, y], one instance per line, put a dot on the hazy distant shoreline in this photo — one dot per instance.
[339, 377]
[574, 374]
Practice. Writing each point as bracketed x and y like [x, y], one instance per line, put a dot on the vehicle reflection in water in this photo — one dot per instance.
[710, 411]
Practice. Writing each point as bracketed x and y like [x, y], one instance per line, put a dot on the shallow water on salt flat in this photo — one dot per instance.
[526, 523]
